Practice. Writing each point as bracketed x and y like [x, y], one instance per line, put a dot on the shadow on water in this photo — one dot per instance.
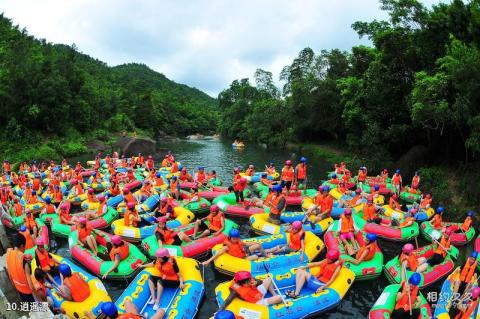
[221, 157]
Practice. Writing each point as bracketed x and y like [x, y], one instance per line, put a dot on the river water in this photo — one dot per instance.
[221, 157]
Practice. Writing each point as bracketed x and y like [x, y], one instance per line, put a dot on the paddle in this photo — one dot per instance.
[275, 285]
[408, 290]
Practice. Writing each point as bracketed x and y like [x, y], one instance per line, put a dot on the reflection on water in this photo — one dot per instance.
[221, 157]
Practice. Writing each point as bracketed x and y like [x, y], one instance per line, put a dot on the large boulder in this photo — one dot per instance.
[131, 146]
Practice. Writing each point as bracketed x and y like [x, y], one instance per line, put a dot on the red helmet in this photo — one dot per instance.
[370, 198]
[74, 182]
[333, 254]
[428, 196]
[448, 231]
[126, 190]
[131, 205]
[162, 219]
[475, 292]
[214, 208]
[243, 181]
[242, 275]
[407, 248]
[288, 162]
[347, 211]
[162, 252]
[90, 190]
[297, 225]
[116, 240]
[101, 197]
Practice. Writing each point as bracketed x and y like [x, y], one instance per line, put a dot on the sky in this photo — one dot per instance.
[202, 43]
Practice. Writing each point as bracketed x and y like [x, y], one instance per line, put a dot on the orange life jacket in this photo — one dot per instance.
[353, 202]
[64, 214]
[411, 259]
[396, 179]
[347, 225]
[33, 199]
[470, 309]
[235, 249]
[28, 239]
[45, 261]
[327, 204]
[50, 209]
[404, 302]
[445, 243]
[466, 224]
[201, 177]
[17, 207]
[167, 234]
[407, 221]
[36, 184]
[215, 221]
[100, 208]
[437, 221]
[39, 286]
[362, 176]
[16, 271]
[130, 316]
[129, 218]
[327, 270]
[29, 221]
[167, 269]
[287, 173]
[58, 196]
[173, 185]
[394, 204]
[128, 198]
[265, 181]
[114, 190]
[369, 212]
[122, 250]
[165, 162]
[425, 202]
[236, 182]
[274, 204]
[371, 247]
[415, 181]
[84, 232]
[318, 199]
[467, 271]
[150, 164]
[79, 289]
[301, 171]
[247, 293]
[174, 167]
[296, 240]
[267, 199]
[158, 181]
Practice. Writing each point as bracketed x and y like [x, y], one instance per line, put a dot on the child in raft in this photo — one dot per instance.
[251, 290]
[366, 252]
[467, 305]
[329, 270]
[215, 226]
[110, 311]
[166, 236]
[322, 206]
[170, 276]
[462, 281]
[408, 300]
[118, 252]
[436, 221]
[356, 198]
[297, 242]
[465, 227]
[234, 246]
[85, 235]
[347, 232]
[200, 177]
[74, 287]
[40, 286]
[442, 247]
[409, 260]
[276, 204]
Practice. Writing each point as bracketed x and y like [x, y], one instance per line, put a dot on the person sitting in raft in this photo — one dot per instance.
[300, 176]
[174, 187]
[165, 209]
[467, 223]
[150, 164]
[250, 171]
[276, 204]
[255, 201]
[370, 212]
[384, 175]
[326, 206]
[45, 261]
[192, 197]
[366, 252]
[394, 204]
[30, 223]
[409, 260]
[201, 177]
[462, 282]
[356, 198]
[329, 270]
[102, 207]
[131, 217]
[467, 305]
[416, 181]
[239, 184]
[362, 176]
[287, 176]
[77, 189]
[226, 314]
[211, 176]
[74, 287]
[215, 226]
[33, 198]
[128, 197]
[264, 180]
[251, 290]
[334, 179]
[317, 202]
[16, 209]
[441, 248]
[40, 286]
[425, 202]
[165, 161]
[184, 176]
[270, 169]
[91, 197]
[85, 235]
[29, 243]
[235, 247]
[119, 252]
[347, 231]
[170, 276]
[49, 208]
[158, 180]
[145, 192]
[297, 242]
[167, 236]
[110, 310]
[18, 269]
[408, 300]
[65, 217]
[406, 222]
[397, 181]
[437, 220]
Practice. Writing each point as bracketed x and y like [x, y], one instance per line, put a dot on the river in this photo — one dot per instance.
[221, 157]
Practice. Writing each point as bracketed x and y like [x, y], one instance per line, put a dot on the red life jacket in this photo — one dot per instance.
[347, 225]
[122, 250]
[467, 271]
[371, 247]
[235, 249]
[301, 171]
[404, 302]
[296, 240]
[79, 289]
[167, 269]
[247, 293]
[167, 234]
[327, 270]
[287, 173]
[274, 204]
[45, 261]
[215, 221]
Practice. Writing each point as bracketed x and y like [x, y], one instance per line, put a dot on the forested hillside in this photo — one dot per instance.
[53, 98]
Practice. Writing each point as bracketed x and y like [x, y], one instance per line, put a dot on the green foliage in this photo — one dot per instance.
[435, 181]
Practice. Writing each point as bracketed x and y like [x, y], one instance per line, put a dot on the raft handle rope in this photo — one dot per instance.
[408, 289]
[275, 285]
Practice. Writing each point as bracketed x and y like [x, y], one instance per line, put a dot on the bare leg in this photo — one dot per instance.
[159, 293]
[184, 237]
[92, 244]
[130, 307]
[195, 228]
[300, 279]
[151, 286]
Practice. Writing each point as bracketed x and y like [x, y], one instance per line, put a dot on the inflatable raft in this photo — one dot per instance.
[195, 249]
[428, 277]
[262, 226]
[458, 239]
[229, 264]
[447, 295]
[229, 205]
[383, 307]
[149, 222]
[410, 197]
[43, 234]
[387, 232]
[98, 293]
[309, 304]
[99, 264]
[295, 197]
[176, 302]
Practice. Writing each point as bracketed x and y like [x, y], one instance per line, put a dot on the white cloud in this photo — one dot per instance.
[202, 43]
